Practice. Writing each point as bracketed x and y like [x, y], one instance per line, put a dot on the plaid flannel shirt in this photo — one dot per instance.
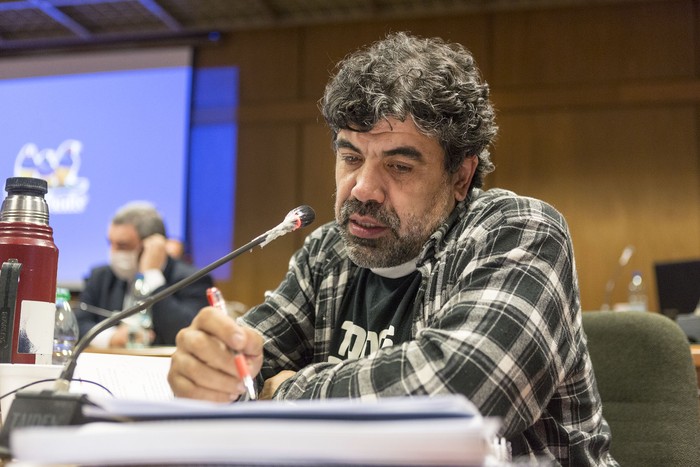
[497, 318]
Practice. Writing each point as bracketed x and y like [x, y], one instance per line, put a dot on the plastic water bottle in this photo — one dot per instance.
[141, 323]
[637, 298]
[65, 334]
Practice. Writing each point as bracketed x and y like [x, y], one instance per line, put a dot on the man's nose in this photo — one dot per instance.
[369, 185]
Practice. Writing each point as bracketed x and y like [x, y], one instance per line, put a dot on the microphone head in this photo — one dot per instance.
[303, 215]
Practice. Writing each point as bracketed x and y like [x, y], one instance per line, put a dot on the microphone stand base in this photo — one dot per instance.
[43, 408]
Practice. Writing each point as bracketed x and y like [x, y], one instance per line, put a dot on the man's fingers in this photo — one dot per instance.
[154, 253]
[205, 349]
[212, 321]
[203, 366]
[192, 378]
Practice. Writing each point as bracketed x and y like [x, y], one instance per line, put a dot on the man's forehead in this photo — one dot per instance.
[388, 130]
[123, 232]
[386, 125]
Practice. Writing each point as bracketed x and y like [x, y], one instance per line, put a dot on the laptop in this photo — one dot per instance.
[678, 286]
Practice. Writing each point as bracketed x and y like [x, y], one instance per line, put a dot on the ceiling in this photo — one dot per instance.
[39, 25]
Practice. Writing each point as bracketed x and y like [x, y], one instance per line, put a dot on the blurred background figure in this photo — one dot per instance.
[140, 264]
[175, 248]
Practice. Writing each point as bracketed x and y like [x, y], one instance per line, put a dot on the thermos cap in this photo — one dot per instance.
[25, 201]
[26, 186]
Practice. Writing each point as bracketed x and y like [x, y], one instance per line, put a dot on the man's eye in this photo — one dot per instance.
[349, 159]
[401, 168]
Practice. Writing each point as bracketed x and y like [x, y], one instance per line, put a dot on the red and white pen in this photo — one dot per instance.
[216, 299]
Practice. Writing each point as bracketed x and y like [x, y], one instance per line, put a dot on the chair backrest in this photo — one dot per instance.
[647, 381]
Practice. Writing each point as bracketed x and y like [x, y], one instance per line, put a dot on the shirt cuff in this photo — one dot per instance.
[154, 279]
[102, 339]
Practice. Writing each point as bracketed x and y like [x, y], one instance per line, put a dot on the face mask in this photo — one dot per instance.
[124, 264]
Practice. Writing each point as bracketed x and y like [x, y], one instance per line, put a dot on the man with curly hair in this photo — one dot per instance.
[424, 283]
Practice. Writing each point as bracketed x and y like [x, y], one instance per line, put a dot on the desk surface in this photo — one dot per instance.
[146, 351]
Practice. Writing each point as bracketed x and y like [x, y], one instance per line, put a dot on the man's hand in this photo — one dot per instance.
[122, 335]
[154, 253]
[203, 367]
[271, 384]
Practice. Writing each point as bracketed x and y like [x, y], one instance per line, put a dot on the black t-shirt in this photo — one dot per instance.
[376, 312]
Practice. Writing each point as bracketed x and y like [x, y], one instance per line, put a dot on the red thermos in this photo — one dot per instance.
[29, 260]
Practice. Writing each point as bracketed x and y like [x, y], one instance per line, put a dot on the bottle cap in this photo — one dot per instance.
[62, 294]
[25, 201]
[26, 186]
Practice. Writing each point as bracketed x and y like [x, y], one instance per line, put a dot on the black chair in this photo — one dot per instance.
[647, 381]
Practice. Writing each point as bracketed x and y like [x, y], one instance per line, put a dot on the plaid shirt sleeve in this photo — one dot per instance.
[497, 319]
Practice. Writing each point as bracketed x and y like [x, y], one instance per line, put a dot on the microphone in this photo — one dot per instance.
[58, 407]
[295, 219]
[621, 263]
[96, 310]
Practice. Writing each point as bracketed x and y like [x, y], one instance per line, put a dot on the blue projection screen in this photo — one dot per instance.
[102, 129]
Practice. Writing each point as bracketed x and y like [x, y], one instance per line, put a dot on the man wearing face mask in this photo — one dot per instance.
[139, 264]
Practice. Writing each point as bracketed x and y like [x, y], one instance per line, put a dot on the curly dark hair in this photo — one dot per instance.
[436, 83]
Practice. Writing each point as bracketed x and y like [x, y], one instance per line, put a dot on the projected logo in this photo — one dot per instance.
[68, 193]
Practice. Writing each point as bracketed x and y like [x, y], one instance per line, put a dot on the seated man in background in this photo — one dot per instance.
[425, 283]
[139, 265]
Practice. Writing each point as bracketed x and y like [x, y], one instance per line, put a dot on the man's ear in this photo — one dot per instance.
[462, 179]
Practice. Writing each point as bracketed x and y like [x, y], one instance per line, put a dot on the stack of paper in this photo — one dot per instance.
[445, 430]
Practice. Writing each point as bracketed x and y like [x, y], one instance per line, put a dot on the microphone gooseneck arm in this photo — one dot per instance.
[95, 310]
[296, 218]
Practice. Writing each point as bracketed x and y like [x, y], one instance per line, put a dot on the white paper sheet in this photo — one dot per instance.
[125, 376]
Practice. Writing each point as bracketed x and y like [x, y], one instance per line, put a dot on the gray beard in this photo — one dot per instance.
[389, 251]
[380, 253]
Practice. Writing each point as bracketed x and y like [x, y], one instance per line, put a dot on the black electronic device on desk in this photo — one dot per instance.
[59, 407]
[678, 288]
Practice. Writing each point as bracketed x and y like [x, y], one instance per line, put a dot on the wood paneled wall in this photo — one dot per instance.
[598, 109]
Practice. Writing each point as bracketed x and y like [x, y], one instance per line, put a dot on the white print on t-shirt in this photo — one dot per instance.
[358, 342]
